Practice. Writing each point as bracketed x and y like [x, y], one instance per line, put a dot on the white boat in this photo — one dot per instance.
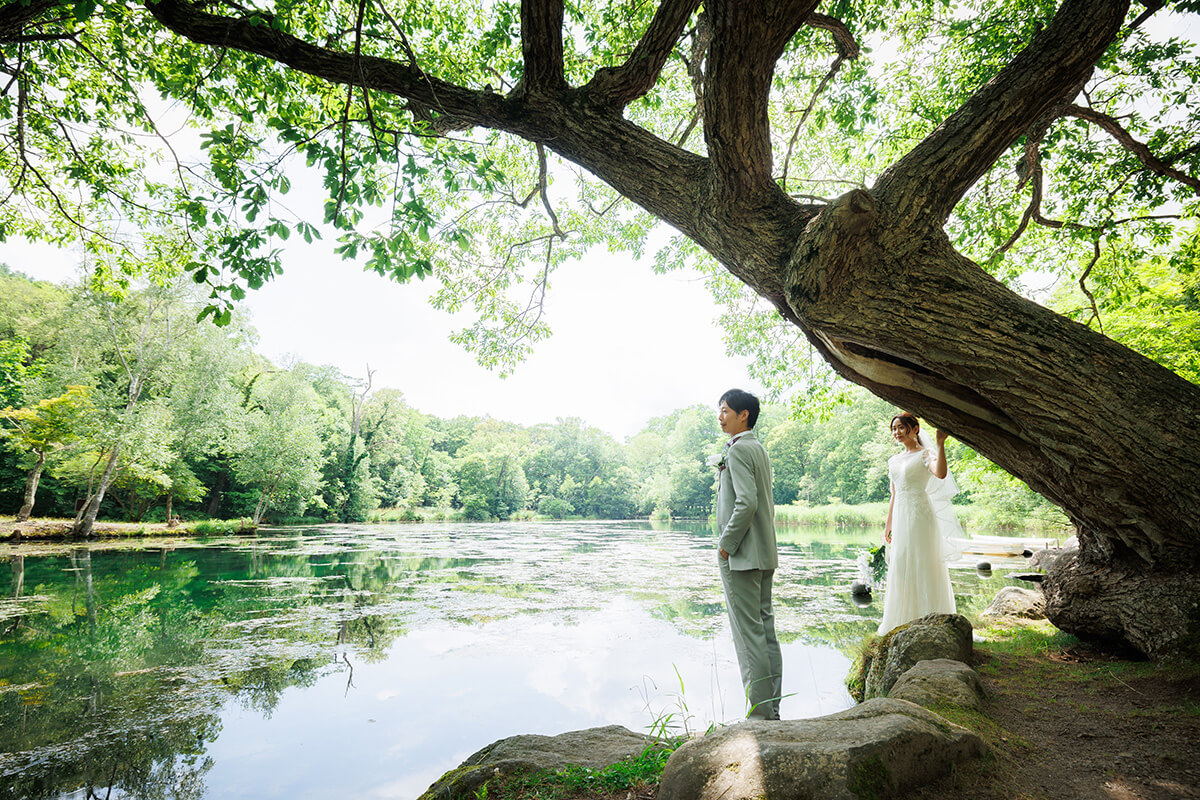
[1004, 545]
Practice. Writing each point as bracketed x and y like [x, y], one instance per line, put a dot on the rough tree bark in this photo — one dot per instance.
[85, 520]
[31, 484]
[1105, 433]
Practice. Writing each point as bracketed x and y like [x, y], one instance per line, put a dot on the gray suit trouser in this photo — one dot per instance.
[748, 598]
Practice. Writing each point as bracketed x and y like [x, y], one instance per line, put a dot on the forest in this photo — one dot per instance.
[206, 428]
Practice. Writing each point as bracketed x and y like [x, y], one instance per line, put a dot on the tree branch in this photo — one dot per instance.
[1126, 140]
[1032, 173]
[843, 39]
[619, 86]
[16, 16]
[1152, 6]
[968, 143]
[633, 161]
[833, 70]
[1083, 286]
[847, 48]
[252, 35]
[748, 39]
[543, 190]
[542, 45]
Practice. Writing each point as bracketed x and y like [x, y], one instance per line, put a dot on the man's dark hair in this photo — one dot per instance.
[741, 401]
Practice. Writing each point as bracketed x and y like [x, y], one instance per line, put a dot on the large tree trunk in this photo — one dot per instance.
[1122, 603]
[31, 484]
[86, 518]
[871, 279]
[1085, 421]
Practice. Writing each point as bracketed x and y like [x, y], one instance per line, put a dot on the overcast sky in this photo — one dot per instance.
[628, 344]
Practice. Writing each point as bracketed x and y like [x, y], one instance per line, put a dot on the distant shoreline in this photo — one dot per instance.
[838, 515]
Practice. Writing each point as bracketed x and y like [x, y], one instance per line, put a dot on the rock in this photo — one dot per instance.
[1013, 601]
[1029, 577]
[593, 747]
[876, 749]
[1044, 559]
[940, 681]
[930, 637]
[861, 600]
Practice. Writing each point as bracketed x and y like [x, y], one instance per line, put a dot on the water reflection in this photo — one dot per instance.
[250, 667]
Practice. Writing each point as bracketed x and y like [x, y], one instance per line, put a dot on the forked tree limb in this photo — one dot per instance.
[931, 178]
[619, 86]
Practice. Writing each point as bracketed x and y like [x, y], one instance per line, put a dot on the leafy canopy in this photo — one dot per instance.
[117, 127]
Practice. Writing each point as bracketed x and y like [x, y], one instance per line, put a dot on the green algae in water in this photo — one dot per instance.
[222, 666]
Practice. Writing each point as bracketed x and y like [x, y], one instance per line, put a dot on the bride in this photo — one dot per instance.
[920, 524]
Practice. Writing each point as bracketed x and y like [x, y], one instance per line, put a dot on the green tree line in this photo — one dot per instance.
[123, 403]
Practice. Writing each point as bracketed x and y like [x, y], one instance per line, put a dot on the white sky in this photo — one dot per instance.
[628, 344]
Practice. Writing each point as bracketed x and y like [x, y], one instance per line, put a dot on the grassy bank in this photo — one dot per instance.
[632, 778]
[869, 515]
[44, 528]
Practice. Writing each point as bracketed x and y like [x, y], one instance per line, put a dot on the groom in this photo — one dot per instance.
[746, 519]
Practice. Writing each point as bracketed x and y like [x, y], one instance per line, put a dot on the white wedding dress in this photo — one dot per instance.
[923, 526]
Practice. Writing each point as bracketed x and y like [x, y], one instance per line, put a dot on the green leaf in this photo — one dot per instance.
[84, 9]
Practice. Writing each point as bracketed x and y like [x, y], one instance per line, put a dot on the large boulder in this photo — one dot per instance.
[1013, 601]
[931, 637]
[940, 682]
[876, 749]
[593, 747]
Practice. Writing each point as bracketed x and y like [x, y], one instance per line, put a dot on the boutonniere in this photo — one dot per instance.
[718, 461]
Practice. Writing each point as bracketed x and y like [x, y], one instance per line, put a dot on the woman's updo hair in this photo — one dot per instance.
[906, 419]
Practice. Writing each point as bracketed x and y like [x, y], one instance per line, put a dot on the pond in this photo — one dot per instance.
[364, 661]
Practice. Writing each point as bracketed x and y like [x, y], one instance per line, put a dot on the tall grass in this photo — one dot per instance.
[867, 515]
[219, 526]
[633, 775]
[863, 515]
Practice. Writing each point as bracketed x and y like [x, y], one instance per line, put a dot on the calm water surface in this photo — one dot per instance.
[364, 661]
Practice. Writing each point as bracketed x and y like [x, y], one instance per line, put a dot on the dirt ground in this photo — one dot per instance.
[1075, 723]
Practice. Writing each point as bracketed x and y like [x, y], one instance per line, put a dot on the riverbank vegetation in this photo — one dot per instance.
[124, 398]
[56, 528]
[122, 402]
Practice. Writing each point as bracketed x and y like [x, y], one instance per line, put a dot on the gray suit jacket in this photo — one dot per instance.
[745, 510]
